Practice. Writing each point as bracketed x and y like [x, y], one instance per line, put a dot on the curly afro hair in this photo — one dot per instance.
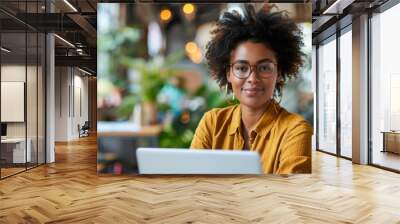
[274, 29]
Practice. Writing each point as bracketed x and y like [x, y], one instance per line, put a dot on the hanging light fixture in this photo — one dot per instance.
[70, 5]
[64, 40]
[5, 50]
[84, 71]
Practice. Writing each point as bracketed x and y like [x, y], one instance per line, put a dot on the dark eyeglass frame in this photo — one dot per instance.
[253, 68]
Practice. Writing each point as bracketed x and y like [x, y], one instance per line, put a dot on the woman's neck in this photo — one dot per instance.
[250, 116]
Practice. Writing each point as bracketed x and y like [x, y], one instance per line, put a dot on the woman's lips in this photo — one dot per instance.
[252, 91]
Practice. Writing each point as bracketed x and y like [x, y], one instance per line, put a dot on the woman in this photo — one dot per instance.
[253, 55]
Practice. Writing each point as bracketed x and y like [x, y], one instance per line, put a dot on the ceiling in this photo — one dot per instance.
[76, 24]
[332, 15]
[72, 20]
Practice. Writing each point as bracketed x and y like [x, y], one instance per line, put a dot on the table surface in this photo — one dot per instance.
[127, 129]
[13, 140]
[390, 132]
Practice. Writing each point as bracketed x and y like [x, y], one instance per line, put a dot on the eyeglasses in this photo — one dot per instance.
[242, 69]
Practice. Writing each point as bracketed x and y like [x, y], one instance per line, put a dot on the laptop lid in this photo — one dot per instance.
[185, 161]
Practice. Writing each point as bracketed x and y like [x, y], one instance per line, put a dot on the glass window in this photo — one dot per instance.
[346, 94]
[327, 96]
[31, 96]
[13, 86]
[385, 84]
[22, 92]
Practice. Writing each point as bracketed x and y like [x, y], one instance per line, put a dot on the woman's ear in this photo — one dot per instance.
[279, 78]
[228, 77]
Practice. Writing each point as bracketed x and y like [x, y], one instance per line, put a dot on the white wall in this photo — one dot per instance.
[33, 126]
[61, 103]
[360, 90]
[50, 95]
[71, 102]
[13, 73]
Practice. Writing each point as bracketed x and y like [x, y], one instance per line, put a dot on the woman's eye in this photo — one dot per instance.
[264, 68]
[241, 68]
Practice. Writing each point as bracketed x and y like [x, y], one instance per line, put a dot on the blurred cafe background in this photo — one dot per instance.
[153, 84]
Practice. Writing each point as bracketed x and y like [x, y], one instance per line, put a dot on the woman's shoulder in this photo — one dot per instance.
[221, 112]
[293, 120]
[219, 116]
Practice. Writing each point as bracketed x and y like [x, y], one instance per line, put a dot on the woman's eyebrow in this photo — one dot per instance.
[261, 60]
[241, 61]
[266, 59]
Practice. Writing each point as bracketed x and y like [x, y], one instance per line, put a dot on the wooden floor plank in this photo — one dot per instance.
[69, 191]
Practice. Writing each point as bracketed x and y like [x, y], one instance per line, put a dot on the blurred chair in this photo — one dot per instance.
[84, 130]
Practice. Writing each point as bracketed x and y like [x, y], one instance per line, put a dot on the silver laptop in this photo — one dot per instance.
[186, 161]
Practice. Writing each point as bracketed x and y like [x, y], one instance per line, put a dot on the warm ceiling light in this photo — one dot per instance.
[165, 15]
[65, 41]
[5, 50]
[191, 47]
[70, 5]
[197, 57]
[188, 8]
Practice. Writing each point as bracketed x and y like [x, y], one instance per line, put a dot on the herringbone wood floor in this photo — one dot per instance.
[70, 191]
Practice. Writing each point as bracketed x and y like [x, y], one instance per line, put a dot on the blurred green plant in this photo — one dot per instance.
[123, 50]
[179, 133]
[124, 110]
[153, 73]
[117, 44]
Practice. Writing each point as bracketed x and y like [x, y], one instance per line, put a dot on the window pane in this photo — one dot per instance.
[386, 89]
[345, 94]
[14, 152]
[31, 97]
[327, 97]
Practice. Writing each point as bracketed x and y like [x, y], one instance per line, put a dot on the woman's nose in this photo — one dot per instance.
[253, 77]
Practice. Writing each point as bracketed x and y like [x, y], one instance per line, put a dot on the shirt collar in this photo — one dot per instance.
[236, 120]
[263, 126]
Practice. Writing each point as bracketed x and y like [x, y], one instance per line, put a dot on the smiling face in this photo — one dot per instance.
[257, 89]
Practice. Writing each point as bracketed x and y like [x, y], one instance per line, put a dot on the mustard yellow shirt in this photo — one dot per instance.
[282, 139]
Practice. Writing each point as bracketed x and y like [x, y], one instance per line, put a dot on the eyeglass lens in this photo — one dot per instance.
[243, 69]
